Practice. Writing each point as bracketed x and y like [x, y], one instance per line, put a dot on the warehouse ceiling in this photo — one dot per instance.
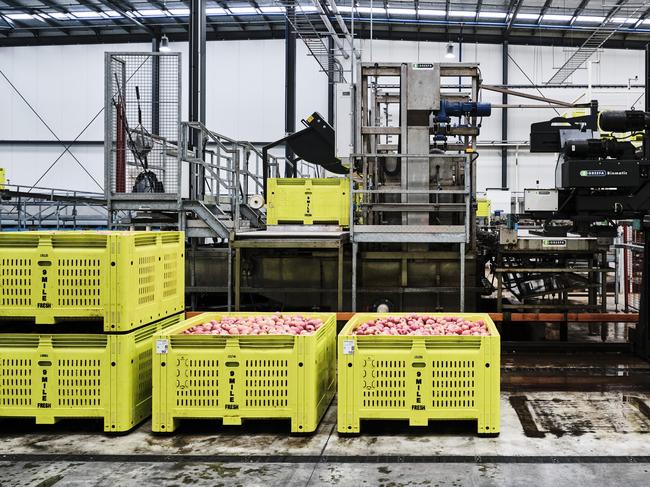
[624, 23]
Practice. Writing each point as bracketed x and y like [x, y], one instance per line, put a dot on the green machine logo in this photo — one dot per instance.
[593, 172]
[601, 172]
[558, 242]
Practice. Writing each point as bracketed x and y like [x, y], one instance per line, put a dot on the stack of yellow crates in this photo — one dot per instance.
[78, 310]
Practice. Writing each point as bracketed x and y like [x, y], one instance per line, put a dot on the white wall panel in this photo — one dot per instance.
[245, 99]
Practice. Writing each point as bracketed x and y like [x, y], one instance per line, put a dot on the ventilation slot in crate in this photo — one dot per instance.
[145, 240]
[385, 384]
[15, 240]
[83, 241]
[197, 384]
[143, 384]
[79, 282]
[79, 382]
[15, 382]
[454, 384]
[267, 383]
[16, 282]
[146, 279]
[170, 275]
[167, 238]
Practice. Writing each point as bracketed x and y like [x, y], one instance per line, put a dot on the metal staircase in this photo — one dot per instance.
[312, 28]
[596, 40]
[213, 221]
[232, 174]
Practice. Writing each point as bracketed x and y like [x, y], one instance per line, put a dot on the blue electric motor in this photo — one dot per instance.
[450, 109]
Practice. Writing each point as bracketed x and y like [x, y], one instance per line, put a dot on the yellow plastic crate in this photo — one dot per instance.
[2, 178]
[126, 279]
[317, 201]
[484, 208]
[418, 378]
[234, 378]
[53, 376]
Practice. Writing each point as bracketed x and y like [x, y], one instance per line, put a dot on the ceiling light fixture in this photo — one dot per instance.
[450, 51]
[164, 44]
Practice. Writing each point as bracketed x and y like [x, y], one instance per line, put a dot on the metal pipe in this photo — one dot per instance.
[646, 138]
[289, 87]
[337, 15]
[197, 92]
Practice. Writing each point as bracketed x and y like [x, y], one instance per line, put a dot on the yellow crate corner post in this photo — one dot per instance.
[302, 201]
[3, 179]
[124, 278]
[235, 378]
[94, 375]
[419, 378]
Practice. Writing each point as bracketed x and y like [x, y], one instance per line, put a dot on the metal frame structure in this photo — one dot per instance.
[127, 199]
[380, 86]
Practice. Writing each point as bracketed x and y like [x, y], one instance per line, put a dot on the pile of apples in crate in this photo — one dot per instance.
[423, 325]
[277, 324]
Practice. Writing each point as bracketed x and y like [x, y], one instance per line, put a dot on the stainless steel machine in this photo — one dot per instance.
[413, 182]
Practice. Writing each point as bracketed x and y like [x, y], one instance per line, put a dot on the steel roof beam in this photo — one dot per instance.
[513, 10]
[543, 11]
[32, 11]
[114, 6]
[236, 18]
[255, 5]
[63, 10]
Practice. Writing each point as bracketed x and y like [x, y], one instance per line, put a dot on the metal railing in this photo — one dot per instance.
[27, 208]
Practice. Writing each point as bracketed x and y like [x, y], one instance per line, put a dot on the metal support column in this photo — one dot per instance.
[355, 250]
[289, 87]
[504, 116]
[237, 279]
[646, 139]
[229, 276]
[339, 288]
[462, 277]
[197, 91]
[155, 88]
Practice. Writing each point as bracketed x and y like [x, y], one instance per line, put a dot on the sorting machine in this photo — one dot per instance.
[599, 181]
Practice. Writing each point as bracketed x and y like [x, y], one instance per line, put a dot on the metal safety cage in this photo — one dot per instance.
[142, 125]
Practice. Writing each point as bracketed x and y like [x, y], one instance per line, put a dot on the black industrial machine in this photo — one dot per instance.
[602, 179]
[314, 143]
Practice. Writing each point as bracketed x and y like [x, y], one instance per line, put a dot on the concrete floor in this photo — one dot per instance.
[547, 439]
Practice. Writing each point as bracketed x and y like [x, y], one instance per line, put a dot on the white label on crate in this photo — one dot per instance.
[162, 346]
[348, 347]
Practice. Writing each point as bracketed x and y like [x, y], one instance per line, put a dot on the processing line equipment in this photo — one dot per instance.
[600, 180]
[413, 181]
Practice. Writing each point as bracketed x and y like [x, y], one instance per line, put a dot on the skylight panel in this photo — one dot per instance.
[462, 13]
[492, 15]
[179, 12]
[589, 19]
[431, 13]
[152, 12]
[20, 16]
[557, 18]
[243, 10]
